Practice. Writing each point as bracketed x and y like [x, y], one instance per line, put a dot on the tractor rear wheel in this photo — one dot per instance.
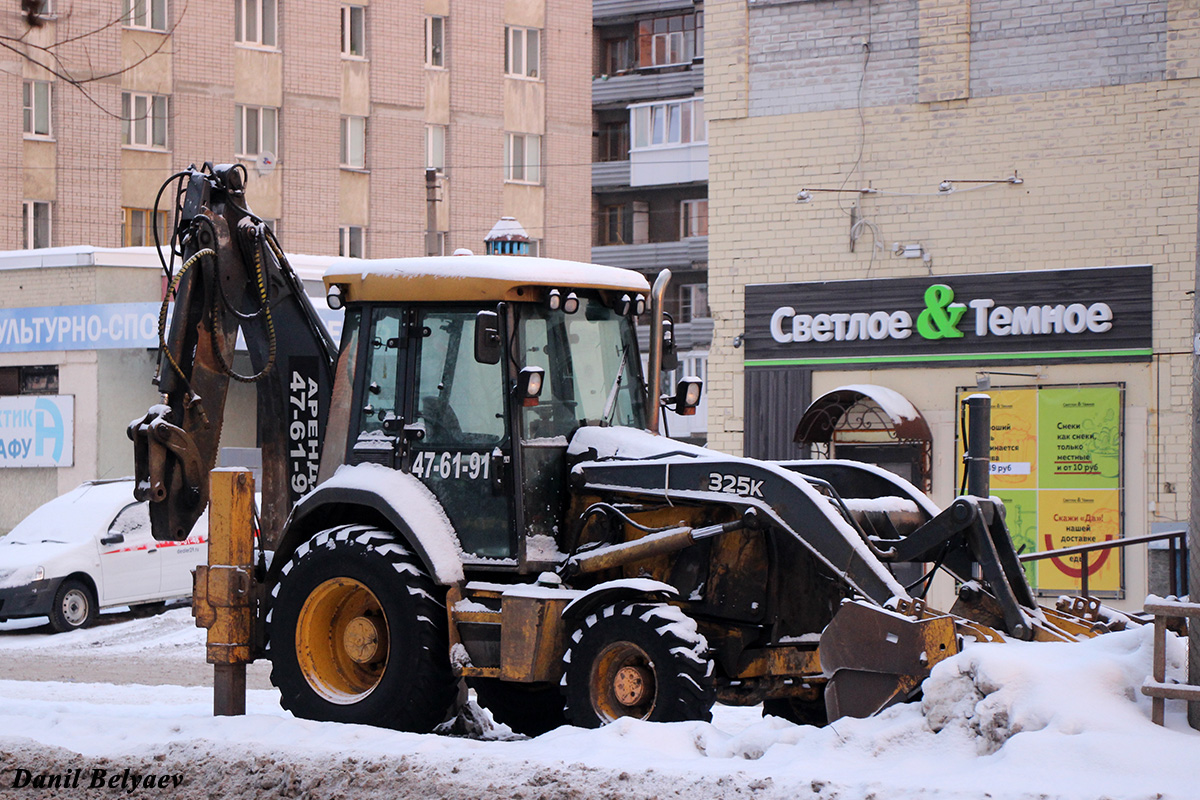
[642, 660]
[356, 633]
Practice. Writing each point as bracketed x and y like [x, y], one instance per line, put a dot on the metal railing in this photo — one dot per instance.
[1178, 550]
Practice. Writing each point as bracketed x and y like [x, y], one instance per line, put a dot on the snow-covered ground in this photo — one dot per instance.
[1007, 722]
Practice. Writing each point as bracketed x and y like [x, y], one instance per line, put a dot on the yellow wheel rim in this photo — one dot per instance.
[623, 682]
[342, 641]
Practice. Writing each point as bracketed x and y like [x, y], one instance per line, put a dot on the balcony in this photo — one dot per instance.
[633, 87]
[663, 166]
[654, 256]
[616, 10]
[610, 173]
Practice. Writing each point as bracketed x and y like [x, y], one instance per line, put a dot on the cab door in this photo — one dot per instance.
[461, 449]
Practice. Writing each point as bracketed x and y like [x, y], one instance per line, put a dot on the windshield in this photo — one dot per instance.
[593, 372]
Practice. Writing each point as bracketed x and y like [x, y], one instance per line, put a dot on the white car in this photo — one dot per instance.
[92, 549]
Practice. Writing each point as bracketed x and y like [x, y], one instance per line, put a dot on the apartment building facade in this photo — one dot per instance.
[337, 111]
[650, 163]
[918, 200]
[377, 130]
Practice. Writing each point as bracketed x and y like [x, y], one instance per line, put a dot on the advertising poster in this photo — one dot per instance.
[1056, 465]
[37, 431]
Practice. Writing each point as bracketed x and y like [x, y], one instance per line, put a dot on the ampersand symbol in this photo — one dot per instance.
[940, 319]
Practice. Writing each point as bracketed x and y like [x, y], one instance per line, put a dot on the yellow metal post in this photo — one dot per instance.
[222, 592]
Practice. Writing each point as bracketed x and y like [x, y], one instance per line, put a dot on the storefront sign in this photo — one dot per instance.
[1091, 314]
[106, 326]
[1056, 464]
[37, 431]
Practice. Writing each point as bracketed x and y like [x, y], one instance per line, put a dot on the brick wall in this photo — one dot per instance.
[1110, 168]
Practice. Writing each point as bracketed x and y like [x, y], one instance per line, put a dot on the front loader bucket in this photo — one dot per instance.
[875, 657]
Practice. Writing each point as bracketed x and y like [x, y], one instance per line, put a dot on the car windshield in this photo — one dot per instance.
[593, 371]
[74, 517]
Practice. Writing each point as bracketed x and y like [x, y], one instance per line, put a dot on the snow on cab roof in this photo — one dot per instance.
[470, 278]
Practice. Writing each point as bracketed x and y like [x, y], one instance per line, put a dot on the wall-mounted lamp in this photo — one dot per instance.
[805, 195]
[737, 341]
[948, 186]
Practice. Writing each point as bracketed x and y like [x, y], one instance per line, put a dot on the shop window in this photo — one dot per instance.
[28, 380]
[138, 225]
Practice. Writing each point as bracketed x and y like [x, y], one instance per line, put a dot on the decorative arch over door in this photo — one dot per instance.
[870, 423]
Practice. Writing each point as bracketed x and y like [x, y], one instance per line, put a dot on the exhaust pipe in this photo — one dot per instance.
[654, 368]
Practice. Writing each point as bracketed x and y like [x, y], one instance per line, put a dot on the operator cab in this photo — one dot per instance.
[472, 374]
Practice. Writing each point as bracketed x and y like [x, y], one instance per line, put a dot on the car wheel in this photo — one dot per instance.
[357, 633]
[645, 661]
[74, 606]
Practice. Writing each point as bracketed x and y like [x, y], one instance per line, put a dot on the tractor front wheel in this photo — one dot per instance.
[642, 660]
[356, 633]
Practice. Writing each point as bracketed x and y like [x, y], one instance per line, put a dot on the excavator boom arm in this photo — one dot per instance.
[233, 278]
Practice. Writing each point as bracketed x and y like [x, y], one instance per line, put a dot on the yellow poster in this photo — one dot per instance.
[1014, 438]
[1069, 518]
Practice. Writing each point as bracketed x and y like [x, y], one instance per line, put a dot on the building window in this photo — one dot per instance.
[667, 124]
[35, 223]
[535, 248]
[35, 101]
[670, 40]
[147, 14]
[688, 303]
[354, 142]
[350, 241]
[617, 56]
[522, 51]
[435, 147]
[693, 218]
[29, 380]
[138, 226]
[254, 22]
[354, 31]
[522, 158]
[435, 42]
[615, 225]
[256, 130]
[144, 120]
[614, 141]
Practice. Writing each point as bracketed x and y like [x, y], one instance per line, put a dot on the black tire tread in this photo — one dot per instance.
[429, 690]
[688, 693]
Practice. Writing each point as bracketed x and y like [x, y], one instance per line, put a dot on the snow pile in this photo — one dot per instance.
[1010, 721]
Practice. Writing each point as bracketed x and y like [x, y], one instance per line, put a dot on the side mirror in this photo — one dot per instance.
[687, 396]
[487, 337]
[529, 385]
[670, 355]
[113, 538]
